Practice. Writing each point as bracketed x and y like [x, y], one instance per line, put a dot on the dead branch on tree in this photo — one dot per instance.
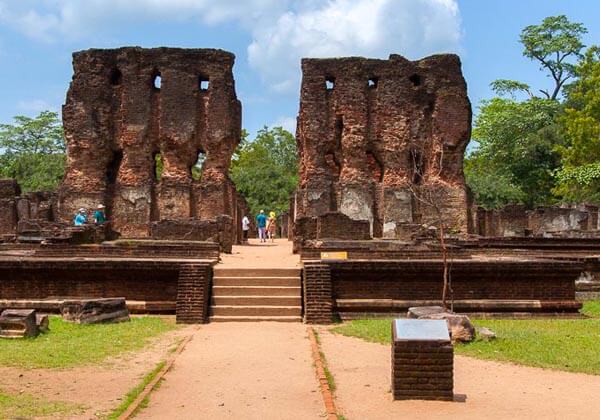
[433, 197]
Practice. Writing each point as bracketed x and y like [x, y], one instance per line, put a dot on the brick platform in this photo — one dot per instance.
[501, 285]
[422, 360]
[149, 283]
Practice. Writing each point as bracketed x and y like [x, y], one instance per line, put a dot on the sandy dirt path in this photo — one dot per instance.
[242, 371]
[493, 390]
[261, 255]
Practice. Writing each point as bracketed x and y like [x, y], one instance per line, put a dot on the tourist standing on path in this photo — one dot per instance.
[99, 216]
[272, 225]
[261, 221]
[245, 229]
[80, 218]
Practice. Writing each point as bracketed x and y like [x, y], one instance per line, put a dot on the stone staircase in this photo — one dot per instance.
[256, 294]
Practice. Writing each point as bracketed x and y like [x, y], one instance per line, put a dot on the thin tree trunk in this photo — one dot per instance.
[445, 262]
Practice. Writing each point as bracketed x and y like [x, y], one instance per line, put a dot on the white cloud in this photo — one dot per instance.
[282, 31]
[77, 19]
[288, 123]
[373, 28]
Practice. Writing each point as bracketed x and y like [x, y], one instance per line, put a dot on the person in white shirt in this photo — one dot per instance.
[245, 229]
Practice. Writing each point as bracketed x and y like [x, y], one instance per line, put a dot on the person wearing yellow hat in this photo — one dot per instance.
[272, 225]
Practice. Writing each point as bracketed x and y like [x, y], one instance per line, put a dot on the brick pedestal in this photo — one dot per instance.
[317, 292]
[422, 360]
[193, 289]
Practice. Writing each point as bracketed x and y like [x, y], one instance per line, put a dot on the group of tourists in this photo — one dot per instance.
[98, 218]
[267, 226]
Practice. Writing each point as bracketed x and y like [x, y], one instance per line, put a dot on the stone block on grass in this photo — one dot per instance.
[95, 311]
[460, 327]
[18, 323]
[421, 311]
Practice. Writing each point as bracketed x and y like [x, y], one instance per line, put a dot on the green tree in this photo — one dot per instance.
[579, 178]
[519, 141]
[554, 44]
[265, 170]
[517, 156]
[33, 151]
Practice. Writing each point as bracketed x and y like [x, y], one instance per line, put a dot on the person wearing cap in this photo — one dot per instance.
[80, 218]
[99, 216]
[272, 226]
[261, 222]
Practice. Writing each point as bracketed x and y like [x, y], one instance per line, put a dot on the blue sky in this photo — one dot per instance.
[268, 38]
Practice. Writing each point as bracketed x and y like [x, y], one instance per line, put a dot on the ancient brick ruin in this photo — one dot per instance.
[375, 136]
[129, 111]
[377, 139]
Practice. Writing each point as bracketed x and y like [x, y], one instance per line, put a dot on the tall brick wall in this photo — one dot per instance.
[373, 133]
[9, 191]
[117, 122]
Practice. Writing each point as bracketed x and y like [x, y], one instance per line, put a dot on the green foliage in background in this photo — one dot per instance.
[540, 150]
[32, 150]
[579, 178]
[516, 158]
[265, 170]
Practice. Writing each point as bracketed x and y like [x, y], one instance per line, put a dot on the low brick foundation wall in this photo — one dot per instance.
[152, 281]
[390, 286]
[219, 230]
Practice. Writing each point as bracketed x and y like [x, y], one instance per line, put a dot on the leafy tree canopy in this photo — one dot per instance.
[265, 170]
[516, 158]
[33, 151]
[540, 150]
[579, 178]
[555, 44]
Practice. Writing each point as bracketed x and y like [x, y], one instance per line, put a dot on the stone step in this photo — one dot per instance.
[220, 318]
[218, 291]
[256, 272]
[256, 281]
[257, 300]
[240, 310]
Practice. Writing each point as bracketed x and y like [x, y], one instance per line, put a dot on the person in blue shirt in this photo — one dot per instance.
[99, 215]
[80, 218]
[261, 222]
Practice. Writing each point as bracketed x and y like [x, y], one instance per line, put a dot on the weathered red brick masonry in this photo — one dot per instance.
[381, 145]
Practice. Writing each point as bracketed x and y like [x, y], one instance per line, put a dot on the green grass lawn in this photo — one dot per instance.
[67, 345]
[28, 406]
[571, 345]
